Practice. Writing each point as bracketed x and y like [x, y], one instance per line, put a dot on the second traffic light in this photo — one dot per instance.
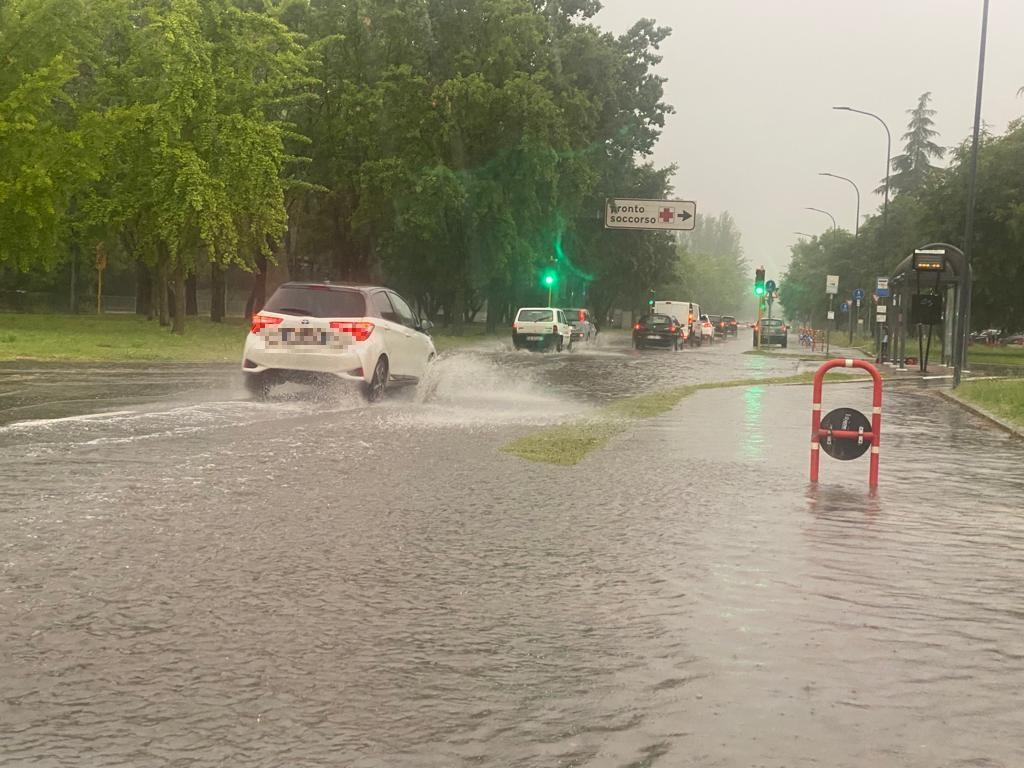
[759, 281]
[650, 300]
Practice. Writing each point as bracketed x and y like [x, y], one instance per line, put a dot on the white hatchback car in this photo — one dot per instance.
[541, 328]
[310, 332]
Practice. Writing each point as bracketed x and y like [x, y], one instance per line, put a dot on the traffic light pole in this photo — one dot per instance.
[760, 305]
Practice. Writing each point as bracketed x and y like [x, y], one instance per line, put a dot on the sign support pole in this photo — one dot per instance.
[828, 324]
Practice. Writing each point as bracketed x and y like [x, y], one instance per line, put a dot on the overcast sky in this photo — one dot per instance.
[753, 83]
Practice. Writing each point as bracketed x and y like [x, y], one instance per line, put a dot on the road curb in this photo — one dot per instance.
[1000, 422]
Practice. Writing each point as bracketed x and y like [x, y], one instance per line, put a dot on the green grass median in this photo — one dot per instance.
[118, 338]
[1000, 397]
[130, 338]
[978, 354]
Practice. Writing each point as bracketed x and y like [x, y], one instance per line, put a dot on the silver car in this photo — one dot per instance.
[583, 328]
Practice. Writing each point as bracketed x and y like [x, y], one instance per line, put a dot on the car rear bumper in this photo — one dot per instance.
[656, 338]
[535, 339]
[354, 363]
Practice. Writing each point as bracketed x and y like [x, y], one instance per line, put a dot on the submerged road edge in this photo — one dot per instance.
[569, 443]
[977, 410]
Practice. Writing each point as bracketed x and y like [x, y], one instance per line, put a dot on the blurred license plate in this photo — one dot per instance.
[533, 338]
[654, 336]
[304, 337]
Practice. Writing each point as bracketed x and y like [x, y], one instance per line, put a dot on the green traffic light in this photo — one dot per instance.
[549, 279]
[759, 290]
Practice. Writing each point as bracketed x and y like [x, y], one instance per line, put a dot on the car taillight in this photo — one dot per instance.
[515, 327]
[261, 321]
[636, 327]
[359, 331]
[671, 329]
[582, 316]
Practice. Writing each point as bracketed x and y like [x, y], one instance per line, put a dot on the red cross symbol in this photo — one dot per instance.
[667, 214]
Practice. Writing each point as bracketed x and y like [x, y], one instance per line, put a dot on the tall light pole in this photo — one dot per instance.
[804, 234]
[856, 223]
[972, 190]
[809, 208]
[888, 152]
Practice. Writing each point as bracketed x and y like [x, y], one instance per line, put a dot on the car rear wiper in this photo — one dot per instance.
[293, 311]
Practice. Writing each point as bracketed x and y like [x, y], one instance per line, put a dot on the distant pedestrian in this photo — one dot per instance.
[885, 346]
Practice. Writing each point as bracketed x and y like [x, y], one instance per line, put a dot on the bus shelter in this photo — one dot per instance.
[928, 289]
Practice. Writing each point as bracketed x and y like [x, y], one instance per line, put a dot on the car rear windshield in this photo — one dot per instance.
[316, 301]
[773, 321]
[658, 320]
[534, 316]
[729, 318]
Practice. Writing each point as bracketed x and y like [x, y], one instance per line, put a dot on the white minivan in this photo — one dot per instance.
[541, 328]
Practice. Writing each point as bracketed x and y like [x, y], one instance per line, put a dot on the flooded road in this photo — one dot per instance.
[189, 578]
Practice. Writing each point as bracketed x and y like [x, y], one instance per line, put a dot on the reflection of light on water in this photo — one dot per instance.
[753, 437]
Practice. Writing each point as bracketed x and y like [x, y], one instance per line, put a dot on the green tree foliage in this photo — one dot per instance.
[454, 148]
[711, 268]
[912, 169]
[932, 211]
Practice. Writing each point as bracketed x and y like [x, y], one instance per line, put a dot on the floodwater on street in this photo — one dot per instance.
[188, 577]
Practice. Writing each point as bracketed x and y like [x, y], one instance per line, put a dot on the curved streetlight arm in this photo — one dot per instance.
[808, 208]
[888, 150]
[856, 223]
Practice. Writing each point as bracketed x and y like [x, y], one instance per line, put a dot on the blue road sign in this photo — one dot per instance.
[858, 294]
[770, 286]
[882, 293]
[844, 307]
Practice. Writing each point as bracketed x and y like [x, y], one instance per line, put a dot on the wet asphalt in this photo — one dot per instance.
[191, 578]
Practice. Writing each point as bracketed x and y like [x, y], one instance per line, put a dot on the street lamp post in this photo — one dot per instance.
[856, 223]
[819, 210]
[804, 234]
[888, 154]
[972, 191]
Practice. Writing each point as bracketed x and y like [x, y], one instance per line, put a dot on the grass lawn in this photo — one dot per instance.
[446, 338]
[1003, 398]
[118, 338]
[127, 338]
[980, 354]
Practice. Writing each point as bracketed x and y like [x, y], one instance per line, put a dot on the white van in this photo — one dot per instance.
[686, 312]
[541, 328]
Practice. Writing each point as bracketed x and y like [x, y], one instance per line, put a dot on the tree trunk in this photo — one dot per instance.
[258, 294]
[143, 290]
[180, 291]
[217, 296]
[73, 295]
[192, 295]
[161, 292]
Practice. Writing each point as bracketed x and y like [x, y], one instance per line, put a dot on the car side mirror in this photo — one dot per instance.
[424, 325]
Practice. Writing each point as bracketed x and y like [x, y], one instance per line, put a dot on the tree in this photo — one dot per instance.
[711, 267]
[914, 166]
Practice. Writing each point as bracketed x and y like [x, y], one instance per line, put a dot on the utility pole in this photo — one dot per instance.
[972, 192]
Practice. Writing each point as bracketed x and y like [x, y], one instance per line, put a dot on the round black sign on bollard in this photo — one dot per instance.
[845, 420]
